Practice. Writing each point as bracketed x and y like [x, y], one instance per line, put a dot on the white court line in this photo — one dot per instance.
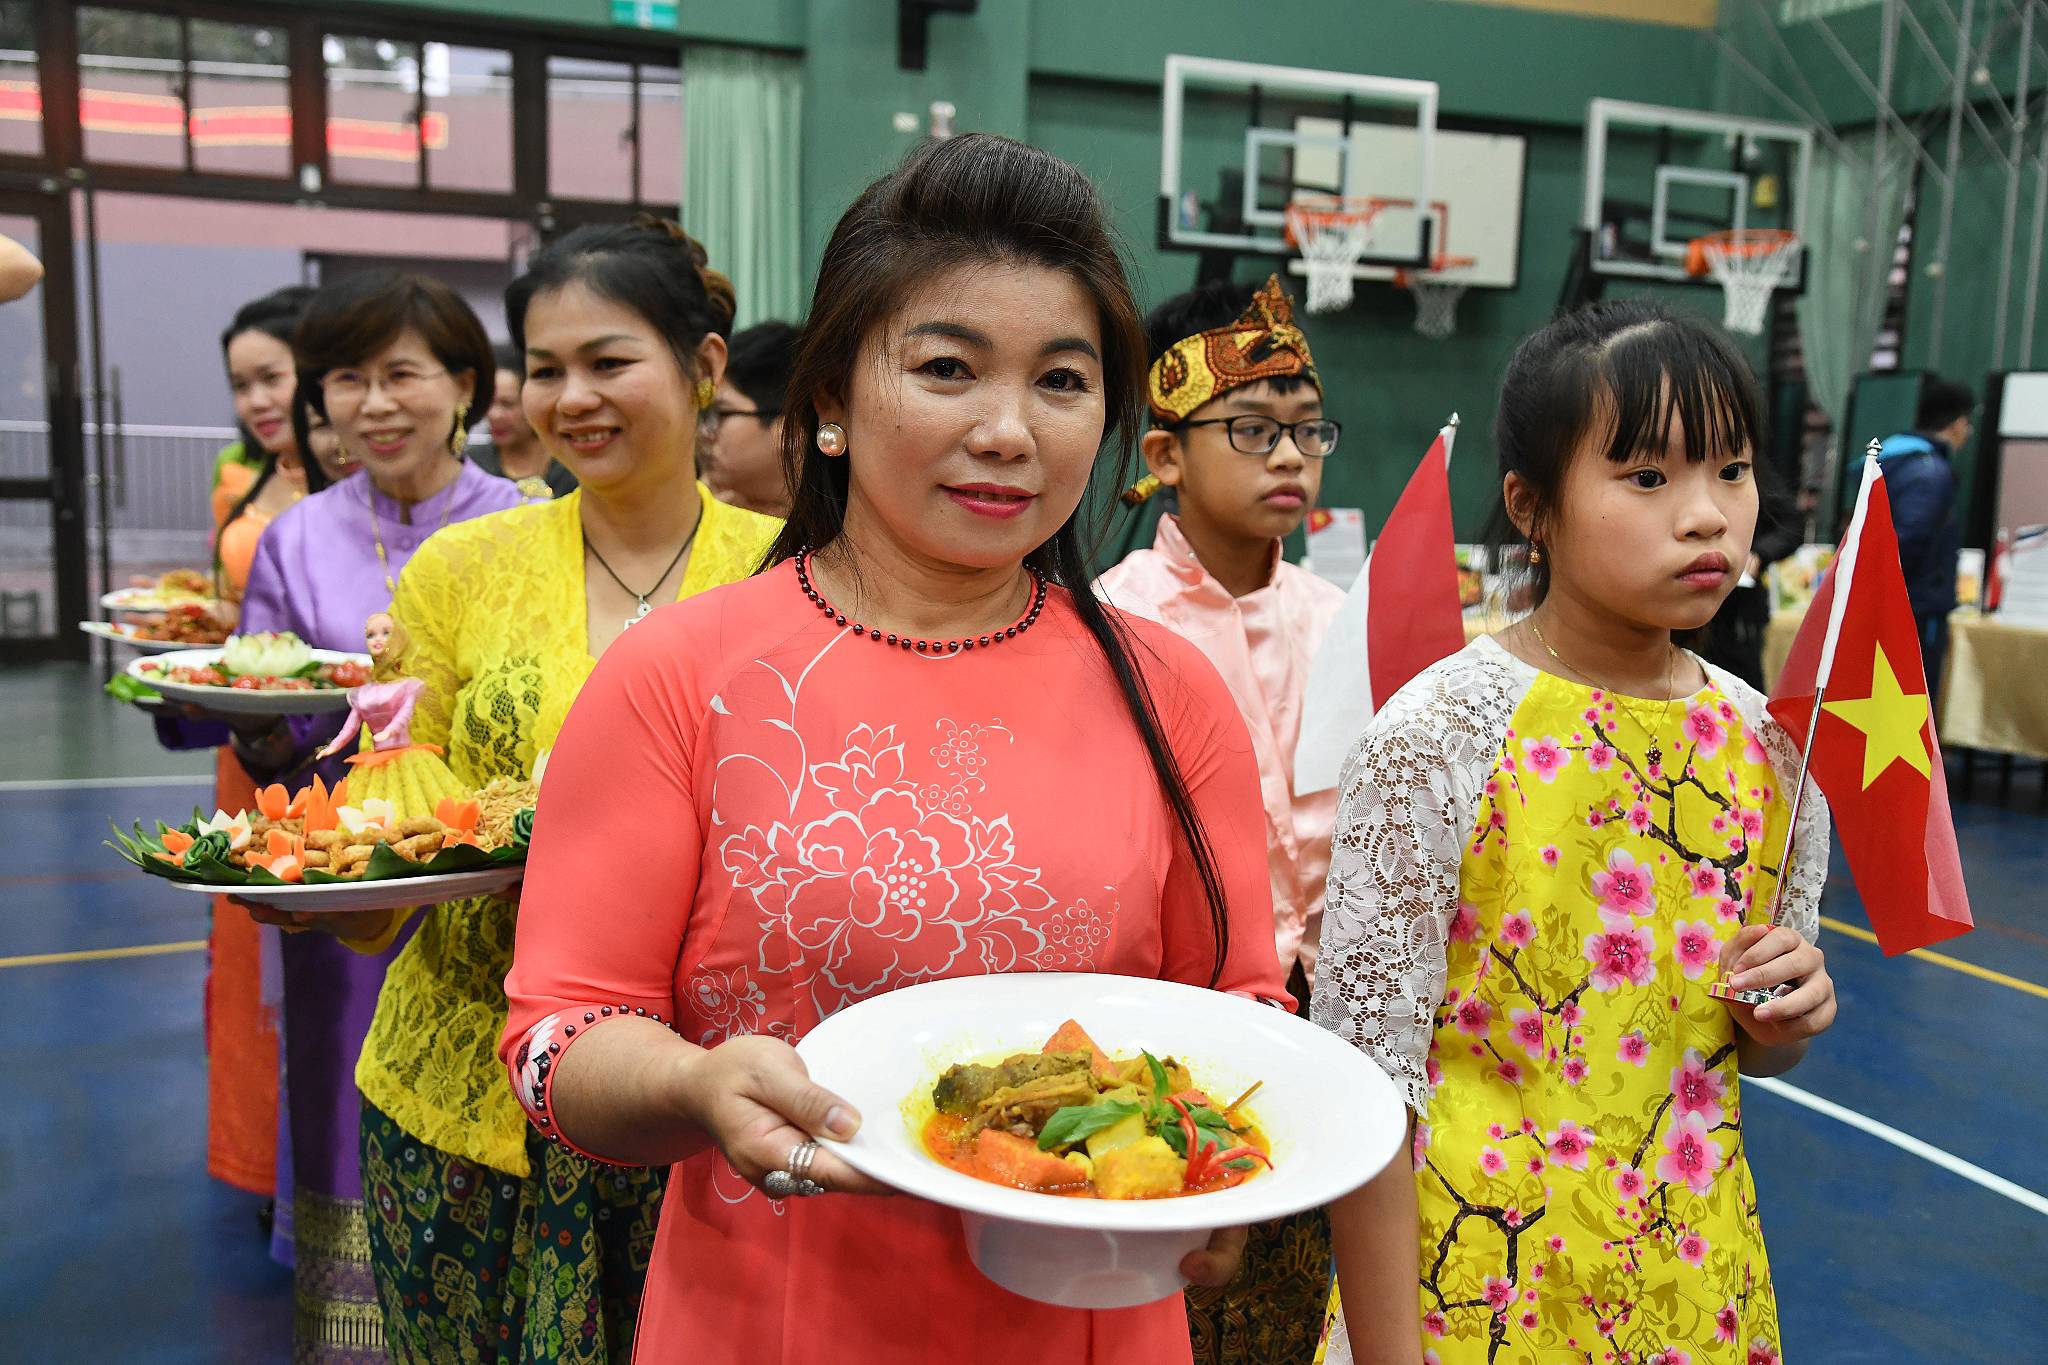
[62, 784]
[1905, 1142]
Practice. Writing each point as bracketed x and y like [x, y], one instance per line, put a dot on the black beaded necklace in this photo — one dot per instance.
[938, 647]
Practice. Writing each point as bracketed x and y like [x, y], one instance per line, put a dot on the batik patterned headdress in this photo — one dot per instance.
[1262, 344]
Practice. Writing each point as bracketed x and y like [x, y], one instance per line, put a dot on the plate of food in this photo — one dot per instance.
[127, 633]
[144, 598]
[389, 893]
[322, 850]
[264, 674]
[1093, 1130]
[186, 625]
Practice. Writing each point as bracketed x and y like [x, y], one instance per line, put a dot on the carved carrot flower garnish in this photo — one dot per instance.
[176, 841]
[284, 857]
[274, 802]
[461, 819]
[318, 805]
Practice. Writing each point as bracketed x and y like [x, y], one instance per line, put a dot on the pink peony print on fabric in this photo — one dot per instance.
[1545, 757]
[1622, 954]
[1570, 1145]
[1695, 948]
[1691, 1156]
[1624, 886]
[1696, 1089]
[1703, 728]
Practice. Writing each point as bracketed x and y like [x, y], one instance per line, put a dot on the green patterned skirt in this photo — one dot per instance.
[477, 1267]
[1272, 1313]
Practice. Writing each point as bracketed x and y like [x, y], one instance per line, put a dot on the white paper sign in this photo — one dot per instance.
[1336, 543]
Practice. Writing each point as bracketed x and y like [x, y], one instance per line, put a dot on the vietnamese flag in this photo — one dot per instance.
[1401, 615]
[1872, 748]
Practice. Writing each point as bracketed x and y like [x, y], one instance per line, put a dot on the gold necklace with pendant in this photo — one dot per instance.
[1655, 753]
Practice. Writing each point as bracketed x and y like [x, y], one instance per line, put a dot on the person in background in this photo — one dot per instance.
[623, 327]
[1734, 639]
[741, 462]
[402, 368]
[1921, 481]
[1238, 434]
[320, 441]
[20, 271]
[241, 1034]
[515, 452]
[258, 347]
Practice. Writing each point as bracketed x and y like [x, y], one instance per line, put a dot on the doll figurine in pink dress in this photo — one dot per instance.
[390, 766]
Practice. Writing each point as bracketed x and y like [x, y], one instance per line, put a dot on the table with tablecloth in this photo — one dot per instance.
[1994, 693]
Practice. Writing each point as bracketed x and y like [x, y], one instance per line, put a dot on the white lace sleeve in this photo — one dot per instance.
[1407, 800]
[1809, 871]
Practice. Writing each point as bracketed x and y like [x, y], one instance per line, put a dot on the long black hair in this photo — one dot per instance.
[967, 200]
[276, 315]
[1617, 373]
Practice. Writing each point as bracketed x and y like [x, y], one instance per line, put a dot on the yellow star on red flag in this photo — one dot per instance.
[1893, 722]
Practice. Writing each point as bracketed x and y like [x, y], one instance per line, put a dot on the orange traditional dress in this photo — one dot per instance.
[241, 1035]
[755, 817]
[1530, 886]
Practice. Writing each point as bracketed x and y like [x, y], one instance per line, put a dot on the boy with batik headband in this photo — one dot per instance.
[1240, 437]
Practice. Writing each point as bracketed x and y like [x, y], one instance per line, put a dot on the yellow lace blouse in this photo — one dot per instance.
[496, 611]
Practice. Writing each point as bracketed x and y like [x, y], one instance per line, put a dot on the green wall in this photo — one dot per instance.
[1081, 79]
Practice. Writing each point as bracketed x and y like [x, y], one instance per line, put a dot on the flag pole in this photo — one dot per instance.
[1838, 607]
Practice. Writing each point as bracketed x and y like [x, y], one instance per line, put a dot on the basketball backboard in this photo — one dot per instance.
[1656, 178]
[1236, 138]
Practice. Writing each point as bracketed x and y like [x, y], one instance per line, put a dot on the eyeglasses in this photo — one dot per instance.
[399, 383]
[1251, 434]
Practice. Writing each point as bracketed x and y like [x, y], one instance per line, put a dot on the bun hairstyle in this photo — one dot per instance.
[1615, 376]
[649, 265]
[965, 201]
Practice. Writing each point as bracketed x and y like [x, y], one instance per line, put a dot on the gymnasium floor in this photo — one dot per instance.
[117, 1248]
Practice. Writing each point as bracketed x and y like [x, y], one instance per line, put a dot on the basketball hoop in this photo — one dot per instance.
[1437, 291]
[1750, 264]
[1331, 232]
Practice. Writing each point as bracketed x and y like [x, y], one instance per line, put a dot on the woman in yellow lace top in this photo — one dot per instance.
[487, 1243]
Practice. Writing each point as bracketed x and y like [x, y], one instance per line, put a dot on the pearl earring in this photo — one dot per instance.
[831, 439]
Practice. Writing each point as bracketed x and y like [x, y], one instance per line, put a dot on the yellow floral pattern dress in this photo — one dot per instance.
[1531, 885]
[486, 1243]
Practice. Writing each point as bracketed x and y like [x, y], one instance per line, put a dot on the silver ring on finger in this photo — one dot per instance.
[800, 1158]
[781, 1185]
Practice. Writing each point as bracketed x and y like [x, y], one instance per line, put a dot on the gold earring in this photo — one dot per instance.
[459, 441]
[707, 392]
[1535, 554]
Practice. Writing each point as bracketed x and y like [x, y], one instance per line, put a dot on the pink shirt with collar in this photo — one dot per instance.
[1262, 644]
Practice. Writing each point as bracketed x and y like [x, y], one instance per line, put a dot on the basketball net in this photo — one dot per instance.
[1331, 233]
[1749, 264]
[1437, 292]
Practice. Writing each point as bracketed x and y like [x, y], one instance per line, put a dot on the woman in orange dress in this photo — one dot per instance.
[241, 1035]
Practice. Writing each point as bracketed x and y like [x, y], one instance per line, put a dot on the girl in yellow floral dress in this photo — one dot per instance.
[1548, 846]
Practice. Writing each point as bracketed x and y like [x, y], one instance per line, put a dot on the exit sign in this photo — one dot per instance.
[644, 13]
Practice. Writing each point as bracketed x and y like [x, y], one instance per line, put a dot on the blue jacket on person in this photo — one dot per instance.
[1922, 487]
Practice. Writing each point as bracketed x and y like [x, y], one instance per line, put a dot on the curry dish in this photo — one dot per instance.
[1070, 1120]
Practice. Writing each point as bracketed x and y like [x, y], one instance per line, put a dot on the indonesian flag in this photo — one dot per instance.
[1873, 749]
[1401, 616]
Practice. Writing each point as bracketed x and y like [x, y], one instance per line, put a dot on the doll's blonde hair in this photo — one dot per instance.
[390, 666]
